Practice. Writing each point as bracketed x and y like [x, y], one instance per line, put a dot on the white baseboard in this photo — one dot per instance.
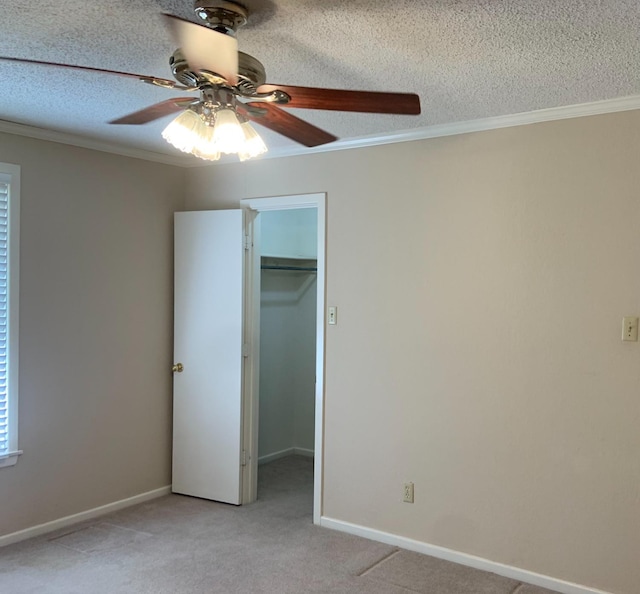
[89, 514]
[521, 575]
[275, 456]
[304, 452]
[284, 453]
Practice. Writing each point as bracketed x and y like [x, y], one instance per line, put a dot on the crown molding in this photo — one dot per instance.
[480, 125]
[439, 130]
[91, 143]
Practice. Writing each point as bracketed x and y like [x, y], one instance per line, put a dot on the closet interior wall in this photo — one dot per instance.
[287, 333]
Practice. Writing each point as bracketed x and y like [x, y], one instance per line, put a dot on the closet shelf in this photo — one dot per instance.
[288, 264]
[287, 257]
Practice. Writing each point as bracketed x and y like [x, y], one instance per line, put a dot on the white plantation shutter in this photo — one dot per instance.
[4, 314]
[9, 281]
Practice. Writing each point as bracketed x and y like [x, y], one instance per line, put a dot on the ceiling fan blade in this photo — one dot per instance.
[161, 82]
[272, 117]
[339, 100]
[157, 111]
[206, 49]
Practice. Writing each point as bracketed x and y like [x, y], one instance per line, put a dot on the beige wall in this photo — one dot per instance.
[95, 330]
[481, 281]
[287, 334]
[287, 362]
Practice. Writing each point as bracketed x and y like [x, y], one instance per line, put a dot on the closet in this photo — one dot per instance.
[288, 240]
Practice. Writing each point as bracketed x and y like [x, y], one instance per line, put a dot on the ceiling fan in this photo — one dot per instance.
[232, 91]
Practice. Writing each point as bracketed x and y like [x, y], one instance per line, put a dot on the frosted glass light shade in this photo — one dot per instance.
[205, 147]
[227, 133]
[253, 144]
[191, 134]
[184, 131]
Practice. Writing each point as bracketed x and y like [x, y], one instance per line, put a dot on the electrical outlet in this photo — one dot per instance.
[408, 493]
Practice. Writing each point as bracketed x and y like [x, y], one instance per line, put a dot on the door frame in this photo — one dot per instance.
[252, 207]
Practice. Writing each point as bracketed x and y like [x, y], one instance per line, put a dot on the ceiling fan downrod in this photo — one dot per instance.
[221, 15]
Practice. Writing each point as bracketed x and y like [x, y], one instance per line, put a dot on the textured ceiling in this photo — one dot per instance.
[467, 59]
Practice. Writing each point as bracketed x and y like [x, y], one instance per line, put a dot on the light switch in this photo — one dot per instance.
[630, 328]
[333, 315]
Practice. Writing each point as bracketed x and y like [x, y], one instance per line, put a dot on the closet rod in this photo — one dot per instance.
[294, 268]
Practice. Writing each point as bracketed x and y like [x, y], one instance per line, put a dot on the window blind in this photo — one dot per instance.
[4, 393]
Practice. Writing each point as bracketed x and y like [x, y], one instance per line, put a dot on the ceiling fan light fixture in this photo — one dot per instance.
[184, 131]
[208, 137]
[228, 136]
[253, 145]
[205, 148]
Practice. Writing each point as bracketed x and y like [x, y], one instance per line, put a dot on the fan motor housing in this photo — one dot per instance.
[223, 16]
[181, 71]
[251, 73]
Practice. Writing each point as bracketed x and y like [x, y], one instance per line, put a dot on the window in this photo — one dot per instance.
[9, 246]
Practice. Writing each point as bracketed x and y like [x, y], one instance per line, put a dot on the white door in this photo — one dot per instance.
[207, 393]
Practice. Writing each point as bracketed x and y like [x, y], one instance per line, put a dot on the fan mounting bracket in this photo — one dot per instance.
[221, 15]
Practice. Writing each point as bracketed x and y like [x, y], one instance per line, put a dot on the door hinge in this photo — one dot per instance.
[243, 461]
[247, 242]
[245, 350]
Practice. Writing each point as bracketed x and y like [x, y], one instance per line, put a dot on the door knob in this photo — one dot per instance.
[177, 368]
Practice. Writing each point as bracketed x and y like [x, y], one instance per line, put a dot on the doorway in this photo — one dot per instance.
[283, 395]
[286, 393]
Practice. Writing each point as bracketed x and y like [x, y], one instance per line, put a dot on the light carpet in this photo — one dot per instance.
[178, 544]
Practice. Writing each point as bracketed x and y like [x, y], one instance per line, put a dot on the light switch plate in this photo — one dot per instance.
[630, 328]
